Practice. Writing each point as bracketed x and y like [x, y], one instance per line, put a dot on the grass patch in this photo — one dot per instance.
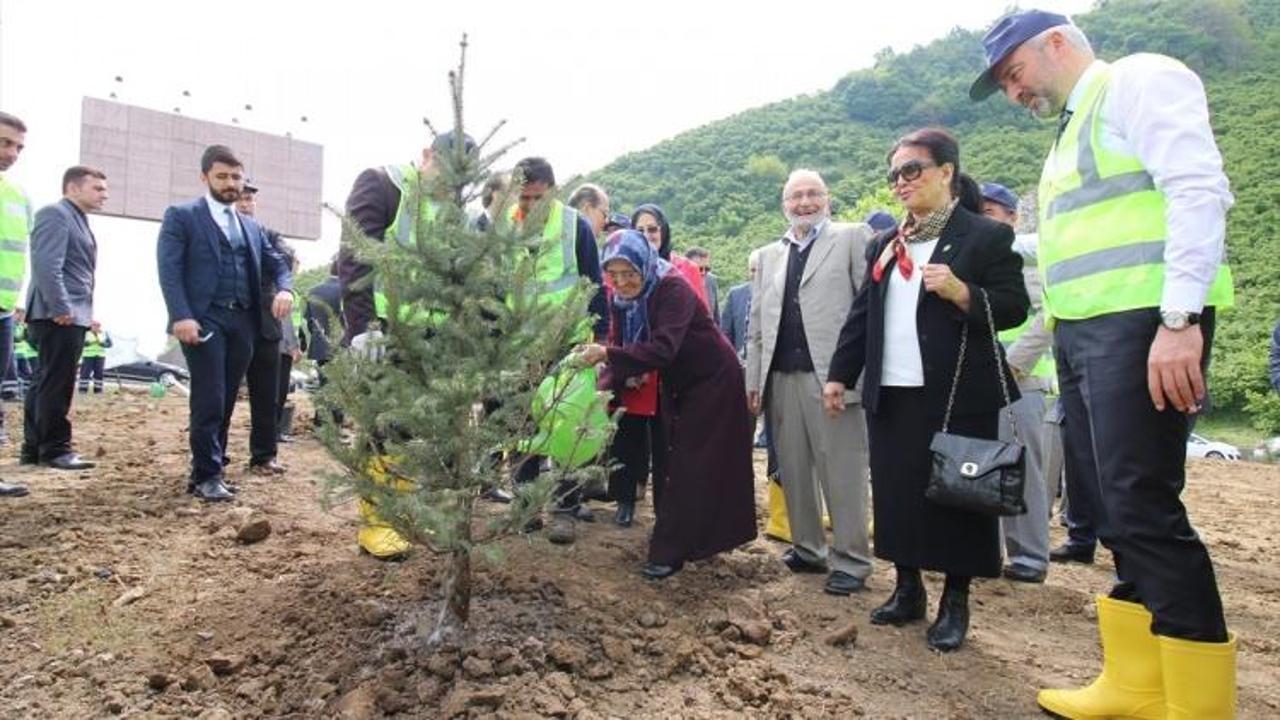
[1230, 427]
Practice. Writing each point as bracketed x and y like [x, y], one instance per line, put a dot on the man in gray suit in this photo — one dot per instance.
[64, 255]
[800, 296]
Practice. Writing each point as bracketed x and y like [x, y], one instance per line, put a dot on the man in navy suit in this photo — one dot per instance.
[211, 261]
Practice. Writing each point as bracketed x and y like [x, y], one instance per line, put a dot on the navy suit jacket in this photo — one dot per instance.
[734, 320]
[188, 253]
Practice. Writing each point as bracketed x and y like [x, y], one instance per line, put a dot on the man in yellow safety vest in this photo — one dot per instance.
[1133, 202]
[15, 230]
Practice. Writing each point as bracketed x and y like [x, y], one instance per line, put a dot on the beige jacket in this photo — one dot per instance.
[835, 270]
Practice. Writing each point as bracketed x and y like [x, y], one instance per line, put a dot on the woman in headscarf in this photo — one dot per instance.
[708, 505]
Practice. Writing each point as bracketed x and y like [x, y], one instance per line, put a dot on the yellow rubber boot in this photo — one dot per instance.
[1131, 683]
[778, 527]
[1199, 678]
[376, 537]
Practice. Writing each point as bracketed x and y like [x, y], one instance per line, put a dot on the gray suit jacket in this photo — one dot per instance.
[64, 255]
[835, 270]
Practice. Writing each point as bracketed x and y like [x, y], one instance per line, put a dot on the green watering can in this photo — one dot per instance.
[574, 430]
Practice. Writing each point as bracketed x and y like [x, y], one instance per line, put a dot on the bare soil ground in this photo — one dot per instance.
[120, 595]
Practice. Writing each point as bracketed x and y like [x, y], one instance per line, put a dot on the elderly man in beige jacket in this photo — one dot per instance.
[800, 297]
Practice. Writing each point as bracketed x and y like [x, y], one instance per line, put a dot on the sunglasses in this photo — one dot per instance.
[909, 170]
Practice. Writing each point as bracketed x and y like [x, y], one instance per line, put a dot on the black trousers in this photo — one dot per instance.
[1130, 460]
[47, 428]
[284, 380]
[92, 369]
[640, 449]
[217, 368]
[263, 378]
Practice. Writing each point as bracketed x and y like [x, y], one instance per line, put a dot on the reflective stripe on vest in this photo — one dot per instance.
[403, 228]
[1102, 224]
[557, 271]
[15, 229]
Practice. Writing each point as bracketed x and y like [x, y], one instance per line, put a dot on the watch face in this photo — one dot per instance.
[1174, 320]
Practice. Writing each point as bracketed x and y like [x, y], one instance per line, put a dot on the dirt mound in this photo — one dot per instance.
[121, 595]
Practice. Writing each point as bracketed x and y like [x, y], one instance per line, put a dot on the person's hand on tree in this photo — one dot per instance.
[592, 354]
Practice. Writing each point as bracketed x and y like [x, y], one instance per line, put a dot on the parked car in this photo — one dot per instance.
[1202, 447]
[146, 372]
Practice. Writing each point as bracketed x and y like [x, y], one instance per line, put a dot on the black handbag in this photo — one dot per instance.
[983, 476]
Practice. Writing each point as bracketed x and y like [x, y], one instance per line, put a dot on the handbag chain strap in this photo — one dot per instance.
[1000, 371]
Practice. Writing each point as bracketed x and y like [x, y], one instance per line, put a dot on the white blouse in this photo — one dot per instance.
[902, 366]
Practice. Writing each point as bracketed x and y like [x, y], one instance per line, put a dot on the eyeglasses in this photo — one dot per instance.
[810, 194]
[618, 276]
[909, 170]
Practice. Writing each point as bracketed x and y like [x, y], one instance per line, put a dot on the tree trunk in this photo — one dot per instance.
[455, 601]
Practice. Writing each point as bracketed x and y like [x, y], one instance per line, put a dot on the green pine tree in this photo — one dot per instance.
[448, 388]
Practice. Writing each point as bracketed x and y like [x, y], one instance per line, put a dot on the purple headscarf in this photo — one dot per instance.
[632, 247]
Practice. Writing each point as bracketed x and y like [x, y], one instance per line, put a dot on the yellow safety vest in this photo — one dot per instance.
[557, 271]
[15, 232]
[1045, 367]
[403, 229]
[1102, 224]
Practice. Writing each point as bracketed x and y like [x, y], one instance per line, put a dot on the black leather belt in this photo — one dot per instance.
[233, 305]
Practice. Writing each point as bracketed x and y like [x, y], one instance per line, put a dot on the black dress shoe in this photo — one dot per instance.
[625, 515]
[268, 468]
[12, 489]
[1023, 574]
[211, 491]
[69, 461]
[797, 564]
[497, 495]
[842, 583]
[906, 604]
[25, 459]
[1067, 553]
[948, 631]
[654, 571]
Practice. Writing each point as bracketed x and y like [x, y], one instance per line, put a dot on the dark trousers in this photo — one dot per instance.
[47, 428]
[1130, 460]
[263, 378]
[284, 382]
[8, 367]
[1080, 511]
[217, 367]
[640, 448]
[92, 369]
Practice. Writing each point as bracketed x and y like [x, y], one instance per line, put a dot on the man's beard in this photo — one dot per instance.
[227, 196]
[806, 221]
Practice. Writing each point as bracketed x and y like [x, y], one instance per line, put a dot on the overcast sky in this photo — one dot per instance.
[583, 81]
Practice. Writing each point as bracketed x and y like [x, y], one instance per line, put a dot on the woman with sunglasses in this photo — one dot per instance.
[659, 324]
[926, 281]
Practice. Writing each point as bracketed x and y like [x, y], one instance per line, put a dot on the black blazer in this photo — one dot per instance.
[979, 251]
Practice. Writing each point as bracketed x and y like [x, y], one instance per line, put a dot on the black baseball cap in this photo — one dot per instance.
[1007, 35]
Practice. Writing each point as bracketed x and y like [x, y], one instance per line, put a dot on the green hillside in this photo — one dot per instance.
[721, 183]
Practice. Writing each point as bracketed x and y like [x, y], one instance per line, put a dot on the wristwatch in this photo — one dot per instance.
[1178, 319]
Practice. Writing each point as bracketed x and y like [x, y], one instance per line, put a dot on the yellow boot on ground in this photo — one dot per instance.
[778, 528]
[1199, 679]
[376, 537]
[1131, 684]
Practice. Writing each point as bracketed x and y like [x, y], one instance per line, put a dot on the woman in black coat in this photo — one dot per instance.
[924, 284]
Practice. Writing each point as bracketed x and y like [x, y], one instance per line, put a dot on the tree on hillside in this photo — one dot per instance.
[469, 340]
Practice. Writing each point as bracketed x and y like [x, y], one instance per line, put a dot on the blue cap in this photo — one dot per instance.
[1001, 40]
[444, 142]
[617, 221]
[881, 220]
[1001, 195]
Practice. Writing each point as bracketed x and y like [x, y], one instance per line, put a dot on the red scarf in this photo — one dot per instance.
[896, 249]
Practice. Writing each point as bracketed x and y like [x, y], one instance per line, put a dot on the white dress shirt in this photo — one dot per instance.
[218, 210]
[902, 364]
[1155, 109]
[807, 240]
